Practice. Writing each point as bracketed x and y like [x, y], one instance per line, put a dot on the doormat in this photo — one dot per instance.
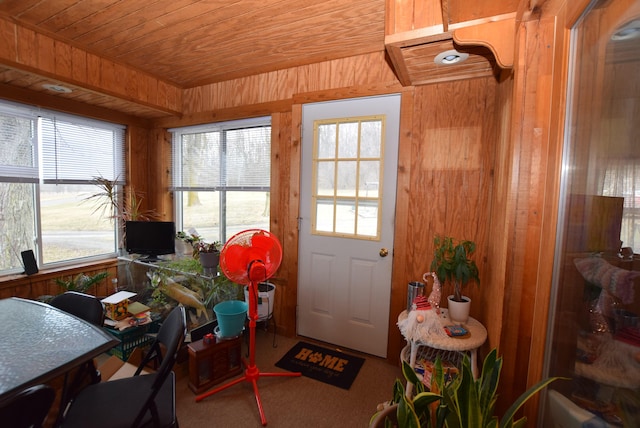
[326, 365]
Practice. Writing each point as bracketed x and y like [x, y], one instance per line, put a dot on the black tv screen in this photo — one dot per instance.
[150, 238]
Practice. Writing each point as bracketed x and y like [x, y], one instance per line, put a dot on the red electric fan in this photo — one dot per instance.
[248, 258]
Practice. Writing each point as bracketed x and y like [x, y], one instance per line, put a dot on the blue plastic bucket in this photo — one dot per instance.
[231, 315]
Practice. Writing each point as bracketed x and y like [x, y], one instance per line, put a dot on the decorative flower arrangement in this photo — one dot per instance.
[207, 247]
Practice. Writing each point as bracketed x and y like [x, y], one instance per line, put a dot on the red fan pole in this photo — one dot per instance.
[251, 373]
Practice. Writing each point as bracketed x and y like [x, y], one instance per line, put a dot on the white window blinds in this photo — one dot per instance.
[232, 156]
[73, 150]
[76, 150]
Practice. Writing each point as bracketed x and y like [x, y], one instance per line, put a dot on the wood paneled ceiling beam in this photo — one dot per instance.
[26, 49]
[39, 99]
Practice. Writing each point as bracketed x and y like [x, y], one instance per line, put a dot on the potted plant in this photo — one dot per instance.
[452, 264]
[185, 242]
[209, 254]
[110, 202]
[453, 402]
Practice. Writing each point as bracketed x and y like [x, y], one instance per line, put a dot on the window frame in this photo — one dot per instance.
[34, 174]
[179, 188]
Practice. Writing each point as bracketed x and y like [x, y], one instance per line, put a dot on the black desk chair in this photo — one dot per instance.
[88, 308]
[84, 306]
[28, 409]
[143, 400]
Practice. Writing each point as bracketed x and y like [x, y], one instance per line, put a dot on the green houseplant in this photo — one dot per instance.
[209, 254]
[452, 263]
[461, 402]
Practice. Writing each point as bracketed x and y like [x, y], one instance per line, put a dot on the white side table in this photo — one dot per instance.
[469, 343]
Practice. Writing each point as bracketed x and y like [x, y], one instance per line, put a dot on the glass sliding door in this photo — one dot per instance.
[594, 337]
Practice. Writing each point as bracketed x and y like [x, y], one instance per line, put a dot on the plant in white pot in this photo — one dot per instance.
[452, 264]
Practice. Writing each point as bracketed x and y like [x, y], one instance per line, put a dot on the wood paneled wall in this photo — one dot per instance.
[447, 150]
[44, 283]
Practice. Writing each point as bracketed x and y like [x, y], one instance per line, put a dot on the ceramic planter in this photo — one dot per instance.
[209, 262]
[459, 311]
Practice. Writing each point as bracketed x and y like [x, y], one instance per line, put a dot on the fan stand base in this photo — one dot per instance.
[251, 373]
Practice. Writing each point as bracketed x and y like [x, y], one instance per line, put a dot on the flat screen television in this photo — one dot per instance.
[150, 238]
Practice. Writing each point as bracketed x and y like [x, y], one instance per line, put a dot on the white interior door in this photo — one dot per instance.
[347, 207]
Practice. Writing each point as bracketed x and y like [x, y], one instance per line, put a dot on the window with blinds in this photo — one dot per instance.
[221, 176]
[48, 163]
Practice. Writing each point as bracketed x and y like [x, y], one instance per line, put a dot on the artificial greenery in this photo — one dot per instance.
[458, 402]
[211, 290]
[208, 247]
[452, 264]
[80, 282]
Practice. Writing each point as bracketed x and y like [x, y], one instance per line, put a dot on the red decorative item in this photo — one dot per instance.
[421, 303]
[248, 258]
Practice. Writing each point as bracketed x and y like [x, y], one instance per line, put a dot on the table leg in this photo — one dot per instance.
[412, 362]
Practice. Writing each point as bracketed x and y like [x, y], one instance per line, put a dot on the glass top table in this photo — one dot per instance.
[39, 342]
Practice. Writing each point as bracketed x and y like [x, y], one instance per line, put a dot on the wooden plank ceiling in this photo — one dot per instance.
[189, 43]
[193, 42]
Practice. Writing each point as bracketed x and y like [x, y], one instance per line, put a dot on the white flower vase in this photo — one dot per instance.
[459, 311]
[183, 248]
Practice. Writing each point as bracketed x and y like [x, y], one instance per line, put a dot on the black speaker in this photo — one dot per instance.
[29, 262]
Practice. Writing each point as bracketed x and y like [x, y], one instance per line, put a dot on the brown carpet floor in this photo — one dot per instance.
[288, 402]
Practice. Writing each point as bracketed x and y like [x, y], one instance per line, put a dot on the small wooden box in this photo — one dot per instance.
[211, 364]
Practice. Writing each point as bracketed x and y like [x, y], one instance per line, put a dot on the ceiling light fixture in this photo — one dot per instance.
[57, 88]
[450, 57]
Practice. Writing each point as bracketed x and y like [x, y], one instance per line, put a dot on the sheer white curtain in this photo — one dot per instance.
[622, 178]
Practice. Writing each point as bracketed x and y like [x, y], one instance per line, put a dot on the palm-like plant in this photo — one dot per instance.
[110, 204]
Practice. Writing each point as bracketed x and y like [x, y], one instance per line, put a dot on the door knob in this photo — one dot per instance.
[384, 252]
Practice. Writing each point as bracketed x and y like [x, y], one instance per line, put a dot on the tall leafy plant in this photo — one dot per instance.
[452, 263]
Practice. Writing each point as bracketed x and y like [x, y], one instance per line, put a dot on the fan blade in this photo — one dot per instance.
[262, 241]
[235, 259]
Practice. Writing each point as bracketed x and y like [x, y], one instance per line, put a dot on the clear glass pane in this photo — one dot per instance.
[201, 214]
[346, 217]
[246, 210]
[369, 183]
[348, 140]
[17, 230]
[72, 226]
[326, 178]
[371, 139]
[324, 215]
[327, 141]
[367, 218]
[346, 177]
